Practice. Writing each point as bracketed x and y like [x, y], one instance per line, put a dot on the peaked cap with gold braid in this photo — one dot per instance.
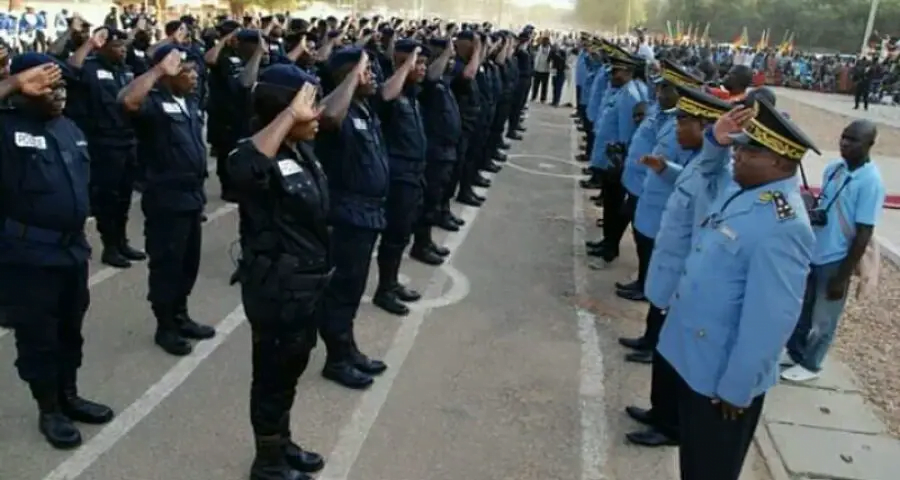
[676, 75]
[696, 103]
[773, 131]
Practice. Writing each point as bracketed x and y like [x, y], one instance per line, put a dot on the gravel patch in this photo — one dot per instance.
[868, 341]
[824, 127]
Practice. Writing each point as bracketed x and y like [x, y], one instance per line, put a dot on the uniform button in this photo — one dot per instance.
[677, 296]
[701, 333]
[697, 249]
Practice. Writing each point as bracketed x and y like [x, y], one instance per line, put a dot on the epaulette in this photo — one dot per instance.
[783, 210]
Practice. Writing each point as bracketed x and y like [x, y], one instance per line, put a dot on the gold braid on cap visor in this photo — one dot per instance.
[678, 79]
[774, 142]
[697, 109]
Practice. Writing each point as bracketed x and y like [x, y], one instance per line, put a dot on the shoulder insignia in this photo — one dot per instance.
[765, 197]
[783, 210]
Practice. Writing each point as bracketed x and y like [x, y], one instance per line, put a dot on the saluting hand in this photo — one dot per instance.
[654, 162]
[729, 411]
[98, 39]
[362, 67]
[262, 46]
[39, 80]
[171, 64]
[303, 106]
[731, 123]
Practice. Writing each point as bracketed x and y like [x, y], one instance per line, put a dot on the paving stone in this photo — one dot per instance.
[815, 407]
[818, 453]
[835, 376]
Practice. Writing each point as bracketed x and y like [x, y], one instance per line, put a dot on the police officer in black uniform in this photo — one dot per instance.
[504, 89]
[285, 262]
[404, 136]
[44, 294]
[443, 129]
[465, 87]
[225, 62]
[355, 159]
[172, 153]
[112, 141]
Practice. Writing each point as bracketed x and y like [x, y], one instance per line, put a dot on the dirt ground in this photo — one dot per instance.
[824, 128]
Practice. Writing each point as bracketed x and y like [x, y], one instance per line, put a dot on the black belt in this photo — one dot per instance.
[12, 228]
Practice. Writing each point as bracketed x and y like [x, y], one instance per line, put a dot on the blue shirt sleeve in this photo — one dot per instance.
[870, 202]
[625, 125]
[773, 297]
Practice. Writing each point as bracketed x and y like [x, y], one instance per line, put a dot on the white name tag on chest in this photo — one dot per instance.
[288, 167]
[360, 124]
[27, 140]
[139, 53]
[171, 108]
[234, 60]
[105, 75]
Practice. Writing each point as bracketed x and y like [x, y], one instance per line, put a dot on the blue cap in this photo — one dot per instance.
[164, 50]
[26, 61]
[113, 34]
[248, 36]
[466, 35]
[342, 57]
[438, 42]
[408, 45]
[286, 75]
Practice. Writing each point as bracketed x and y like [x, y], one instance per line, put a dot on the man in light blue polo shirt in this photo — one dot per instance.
[848, 208]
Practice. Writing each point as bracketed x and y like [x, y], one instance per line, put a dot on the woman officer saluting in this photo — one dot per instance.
[285, 260]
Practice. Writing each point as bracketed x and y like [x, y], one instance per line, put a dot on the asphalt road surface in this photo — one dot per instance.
[507, 370]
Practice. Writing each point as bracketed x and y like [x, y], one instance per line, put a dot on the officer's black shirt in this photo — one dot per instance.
[443, 124]
[284, 202]
[94, 106]
[467, 96]
[44, 176]
[404, 134]
[171, 151]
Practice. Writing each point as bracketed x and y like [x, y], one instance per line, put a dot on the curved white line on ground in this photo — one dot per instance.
[510, 158]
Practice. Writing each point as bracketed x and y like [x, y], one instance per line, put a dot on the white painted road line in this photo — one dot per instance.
[114, 431]
[353, 436]
[106, 273]
[591, 391]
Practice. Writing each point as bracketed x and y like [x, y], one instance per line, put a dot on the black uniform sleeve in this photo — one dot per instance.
[250, 170]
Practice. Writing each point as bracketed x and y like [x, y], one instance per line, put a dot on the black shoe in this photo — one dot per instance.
[521, 129]
[633, 295]
[639, 343]
[447, 223]
[482, 182]
[594, 244]
[469, 198]
[491, 168]
[406, 294]
[589, 171]
[425, 255]
[640, 415]
[460, 222]
[365, 364]
[59, 430]
[271, 462]
[644, 357]
[627, 286]
[113, 257]
[514, 136]
[387, 300]
[590, 184]
[83, 411]
[172, 342]
[650, 438]
[439, 250]
[131, 253]
[346, 374]
[302, 460]
[190, 329]
[505, 145]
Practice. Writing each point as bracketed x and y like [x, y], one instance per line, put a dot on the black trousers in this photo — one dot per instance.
[281, 311]
[438, 178]
[539, 84]
[621, 221]
[861, 94]
[404, 204]
[664, 396]
[113, 173]
[644, 246]
[713, 447]
[613, 198]
[45, 306]
[351, 248]
[174, 241]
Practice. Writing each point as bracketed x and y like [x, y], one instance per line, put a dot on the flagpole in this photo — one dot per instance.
[869, 26]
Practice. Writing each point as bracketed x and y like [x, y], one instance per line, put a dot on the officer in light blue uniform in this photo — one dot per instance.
[670, 247]
[44, 253]
[592, 65]
[739, 298]
[613, 132]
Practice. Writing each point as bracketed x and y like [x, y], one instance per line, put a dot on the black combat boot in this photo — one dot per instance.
[270, 462]
[190, 329]
[422, 239]
[125, 248]
[57, 428]
[425, 254]
[168, 336]
[341, 364]
[386, 295]
[363, 363]
[295, 456]
[112, 253]
[77, 408]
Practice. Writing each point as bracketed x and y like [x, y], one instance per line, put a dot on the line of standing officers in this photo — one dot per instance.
[355, 133]
[724, 242]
